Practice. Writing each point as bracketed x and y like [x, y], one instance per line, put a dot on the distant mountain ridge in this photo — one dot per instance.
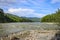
[35, 19]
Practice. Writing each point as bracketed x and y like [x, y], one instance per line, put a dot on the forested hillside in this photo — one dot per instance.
[6, 17]
[1, 16]
[54, 17]
[17, 18]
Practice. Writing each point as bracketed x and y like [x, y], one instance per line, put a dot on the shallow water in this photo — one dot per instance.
[8, 28]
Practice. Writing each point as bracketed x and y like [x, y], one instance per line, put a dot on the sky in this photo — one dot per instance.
[30, 8]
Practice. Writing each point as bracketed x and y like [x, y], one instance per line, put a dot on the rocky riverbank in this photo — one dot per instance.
[31, 35]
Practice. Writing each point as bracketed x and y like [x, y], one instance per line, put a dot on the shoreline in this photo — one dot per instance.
[32, 33]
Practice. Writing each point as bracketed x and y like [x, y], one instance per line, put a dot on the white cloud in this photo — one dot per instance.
[55, 1]
[25, 12]
[20, 10]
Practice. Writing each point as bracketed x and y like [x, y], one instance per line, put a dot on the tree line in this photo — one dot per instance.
[54, 17]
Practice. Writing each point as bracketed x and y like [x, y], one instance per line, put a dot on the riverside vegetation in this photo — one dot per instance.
[54, 17]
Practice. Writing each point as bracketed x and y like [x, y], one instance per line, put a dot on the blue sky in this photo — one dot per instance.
[30, 8]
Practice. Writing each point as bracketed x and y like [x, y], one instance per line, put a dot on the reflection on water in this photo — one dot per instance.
[15, 27]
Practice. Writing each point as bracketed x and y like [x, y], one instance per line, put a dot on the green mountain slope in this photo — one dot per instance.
[52, 17]
[14, 18]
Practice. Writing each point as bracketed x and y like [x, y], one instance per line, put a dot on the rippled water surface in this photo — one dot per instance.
[16, 27]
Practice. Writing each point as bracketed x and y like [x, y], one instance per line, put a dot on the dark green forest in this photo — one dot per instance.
[54, 17]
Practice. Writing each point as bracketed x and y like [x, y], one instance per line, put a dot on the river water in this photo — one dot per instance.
[8, 28]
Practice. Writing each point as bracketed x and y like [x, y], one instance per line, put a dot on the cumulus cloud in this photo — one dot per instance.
[25, 12]
[55, 1]
[20, 9]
